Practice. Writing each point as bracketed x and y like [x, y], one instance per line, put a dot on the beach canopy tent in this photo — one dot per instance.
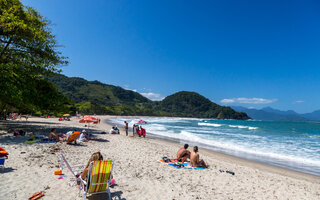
[142, 122]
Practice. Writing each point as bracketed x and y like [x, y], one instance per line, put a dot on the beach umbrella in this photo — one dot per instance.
[66, 115]
[88, 119]
[142, 122]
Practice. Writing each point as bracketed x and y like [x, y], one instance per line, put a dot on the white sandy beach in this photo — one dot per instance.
[137, 170]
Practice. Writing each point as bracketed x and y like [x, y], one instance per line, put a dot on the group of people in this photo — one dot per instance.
[70, 136]
[114, 130]
[136, 130]
[184, 154]
[14, 116]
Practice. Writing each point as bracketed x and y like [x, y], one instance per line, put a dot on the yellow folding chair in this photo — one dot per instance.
[99, 178]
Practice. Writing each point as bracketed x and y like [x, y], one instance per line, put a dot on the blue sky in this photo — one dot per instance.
[248, 53]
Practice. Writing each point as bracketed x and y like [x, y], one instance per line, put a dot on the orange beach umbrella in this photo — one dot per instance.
[88, 119]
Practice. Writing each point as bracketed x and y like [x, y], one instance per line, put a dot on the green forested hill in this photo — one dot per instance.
[95, 97]
[80, 90]
[191, 104]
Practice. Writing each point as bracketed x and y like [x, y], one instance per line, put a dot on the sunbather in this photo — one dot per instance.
[183, 154]
[54, 136]
[195, 160]
[94, 157]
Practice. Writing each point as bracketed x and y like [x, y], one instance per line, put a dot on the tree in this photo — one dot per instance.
[28, 51]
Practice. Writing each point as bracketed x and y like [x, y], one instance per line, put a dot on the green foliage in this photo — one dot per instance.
[94, 97]
[81, 90]
[28, 50]
[90, 108]
[191, 104]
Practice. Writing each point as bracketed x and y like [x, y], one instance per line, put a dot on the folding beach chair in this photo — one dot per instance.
[71, 169]
[99, 178]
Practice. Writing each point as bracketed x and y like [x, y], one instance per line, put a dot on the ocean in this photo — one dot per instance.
[292, 145]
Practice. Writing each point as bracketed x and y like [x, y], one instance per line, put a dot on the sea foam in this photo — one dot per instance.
[269, 142]
[209, 124]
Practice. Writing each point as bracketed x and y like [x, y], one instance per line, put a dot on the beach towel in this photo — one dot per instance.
[179, 165]
[34, 139]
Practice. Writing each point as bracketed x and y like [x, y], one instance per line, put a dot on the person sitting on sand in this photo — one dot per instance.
[195, 160]
[54, 136]
[117, 131]
[183, 154]
[142, 132]
[94, 157]
[112, 131]
[83, 136]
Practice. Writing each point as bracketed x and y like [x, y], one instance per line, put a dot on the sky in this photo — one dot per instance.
[248, 53]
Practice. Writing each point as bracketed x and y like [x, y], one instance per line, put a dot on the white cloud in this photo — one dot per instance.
[299, 101]
[248, 100]
[227, 101]
[153, 96]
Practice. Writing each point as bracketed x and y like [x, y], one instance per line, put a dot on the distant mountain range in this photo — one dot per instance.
[269, 113]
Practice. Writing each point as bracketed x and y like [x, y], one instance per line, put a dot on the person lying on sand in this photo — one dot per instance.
[94, 157]
[195, 161]
[54, 136]
[183, 154]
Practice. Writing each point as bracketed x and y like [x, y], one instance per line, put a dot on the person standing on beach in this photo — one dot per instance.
[134, 129]
[126, 127]
[183, 153]
[195, 160]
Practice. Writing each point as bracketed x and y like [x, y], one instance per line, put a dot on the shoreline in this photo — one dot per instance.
[138, 172]
[243, 161]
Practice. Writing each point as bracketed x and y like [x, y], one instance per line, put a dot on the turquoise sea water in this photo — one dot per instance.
[293, 145]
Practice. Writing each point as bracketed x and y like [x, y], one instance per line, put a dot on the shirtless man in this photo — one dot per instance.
[183, 154]
[54, 135]
[126, 127]
[195, 161]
